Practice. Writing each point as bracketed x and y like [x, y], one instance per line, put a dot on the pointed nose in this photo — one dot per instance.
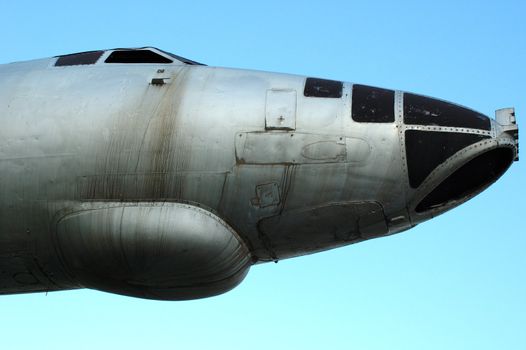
[453, 153]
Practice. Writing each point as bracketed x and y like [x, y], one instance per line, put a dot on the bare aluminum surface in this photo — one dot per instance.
[290, 174]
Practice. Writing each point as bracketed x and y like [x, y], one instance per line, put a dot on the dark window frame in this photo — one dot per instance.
[123, 56]
[372, 104]
[423, 110]
[79, 59]
[475, 175]
[426, 150]
[323, 88]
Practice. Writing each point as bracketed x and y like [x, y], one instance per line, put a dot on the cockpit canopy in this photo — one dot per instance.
[144, 55]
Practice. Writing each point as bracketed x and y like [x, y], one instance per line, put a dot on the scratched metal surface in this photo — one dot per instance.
[290, 174]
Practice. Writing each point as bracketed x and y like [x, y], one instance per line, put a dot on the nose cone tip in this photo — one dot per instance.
[507, 129]
[456, 159]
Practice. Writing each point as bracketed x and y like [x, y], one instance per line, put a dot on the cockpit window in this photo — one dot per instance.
[421, 110]
[315, 87]
[136, 56]
[372, 104]
[122, 55]
[77, 59]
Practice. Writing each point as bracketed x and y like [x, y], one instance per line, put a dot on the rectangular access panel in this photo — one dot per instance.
[280, 110]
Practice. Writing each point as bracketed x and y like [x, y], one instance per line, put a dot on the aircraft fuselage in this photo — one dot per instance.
[169, 180]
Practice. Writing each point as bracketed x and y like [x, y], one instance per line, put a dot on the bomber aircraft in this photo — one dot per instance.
[142, 173]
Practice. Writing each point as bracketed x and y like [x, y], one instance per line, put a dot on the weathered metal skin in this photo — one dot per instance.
[151, 250]
[168, 180]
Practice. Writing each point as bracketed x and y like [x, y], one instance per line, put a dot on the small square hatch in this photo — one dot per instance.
[280, 110]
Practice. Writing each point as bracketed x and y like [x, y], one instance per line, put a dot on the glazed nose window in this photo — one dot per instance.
[425, 150]
[421, 110]
[372, 105]
[473, 176]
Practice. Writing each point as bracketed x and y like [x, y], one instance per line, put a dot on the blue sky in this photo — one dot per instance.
[455, 282]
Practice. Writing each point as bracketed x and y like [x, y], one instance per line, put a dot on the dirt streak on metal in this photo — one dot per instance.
[145, 139]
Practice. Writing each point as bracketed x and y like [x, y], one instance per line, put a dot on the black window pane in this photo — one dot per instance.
[421, 110]
[425, 150]
[136, 56]
[471, 177]
[76, 59]
[371, 104]
[323, 88]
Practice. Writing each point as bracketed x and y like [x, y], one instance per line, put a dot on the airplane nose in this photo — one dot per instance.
[453, 153]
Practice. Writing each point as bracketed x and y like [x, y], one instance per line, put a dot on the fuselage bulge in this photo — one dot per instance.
[138, 172]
